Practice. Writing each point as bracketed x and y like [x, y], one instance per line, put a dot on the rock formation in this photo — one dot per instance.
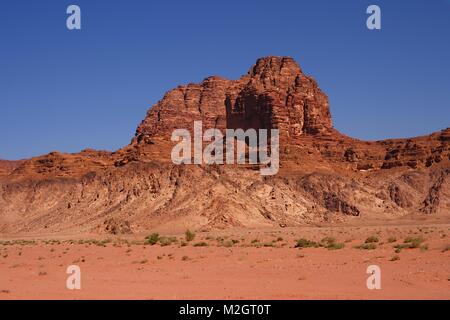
[274, 94]
[325, 176]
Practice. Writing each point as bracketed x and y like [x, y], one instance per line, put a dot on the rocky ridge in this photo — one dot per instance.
[325, 176]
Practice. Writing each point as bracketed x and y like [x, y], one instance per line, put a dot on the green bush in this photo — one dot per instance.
[414, 242]
[189, 235]
[410, 243]
[152, 239]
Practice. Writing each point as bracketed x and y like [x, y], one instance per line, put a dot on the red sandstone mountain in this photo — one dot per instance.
[324, 176]
[6, 167]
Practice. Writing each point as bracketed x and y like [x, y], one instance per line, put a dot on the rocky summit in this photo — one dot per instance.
[325, 176]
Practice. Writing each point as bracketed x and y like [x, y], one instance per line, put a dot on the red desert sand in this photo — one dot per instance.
[235, 264]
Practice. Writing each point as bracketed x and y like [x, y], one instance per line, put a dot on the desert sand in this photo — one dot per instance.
[234, 264]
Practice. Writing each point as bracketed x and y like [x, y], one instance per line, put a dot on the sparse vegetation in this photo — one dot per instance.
[201, 244]
[392, 239]
[327, 242]
[189, 235]
[305, 243]
[335, 246]
[331, 244]
[410, 243]
[414, 242]
[166, 241]
[395, 258]
[372, 239]
[367, 246]
[18, 242]
[152, 239]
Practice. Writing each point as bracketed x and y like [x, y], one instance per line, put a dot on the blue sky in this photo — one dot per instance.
[69, 90]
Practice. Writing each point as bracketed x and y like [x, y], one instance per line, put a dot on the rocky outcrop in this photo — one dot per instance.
[6, 167]
[325, 176]
[274, 94]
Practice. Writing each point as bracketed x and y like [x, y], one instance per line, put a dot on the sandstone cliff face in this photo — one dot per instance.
[274, 94]
[325, 176]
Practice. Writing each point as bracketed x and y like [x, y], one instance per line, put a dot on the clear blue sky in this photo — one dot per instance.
[69, 90]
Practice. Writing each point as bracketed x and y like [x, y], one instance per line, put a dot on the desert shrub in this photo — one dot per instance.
[201, 244]
[268, 244]
[152, 239]
[413, 242]
[372, 239]
[395, 258]
[330, 243]
[402, 246]
[367, 246]
[335, 246]
[166, 241]
[189, 235]
[392, 239]
[305, 243]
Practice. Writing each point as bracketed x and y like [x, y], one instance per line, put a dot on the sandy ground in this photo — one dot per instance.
[264, 264]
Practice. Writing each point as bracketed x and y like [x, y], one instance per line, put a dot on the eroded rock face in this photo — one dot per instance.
[324, 175]
[274, 94]
[6, 167]
[116, 227]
